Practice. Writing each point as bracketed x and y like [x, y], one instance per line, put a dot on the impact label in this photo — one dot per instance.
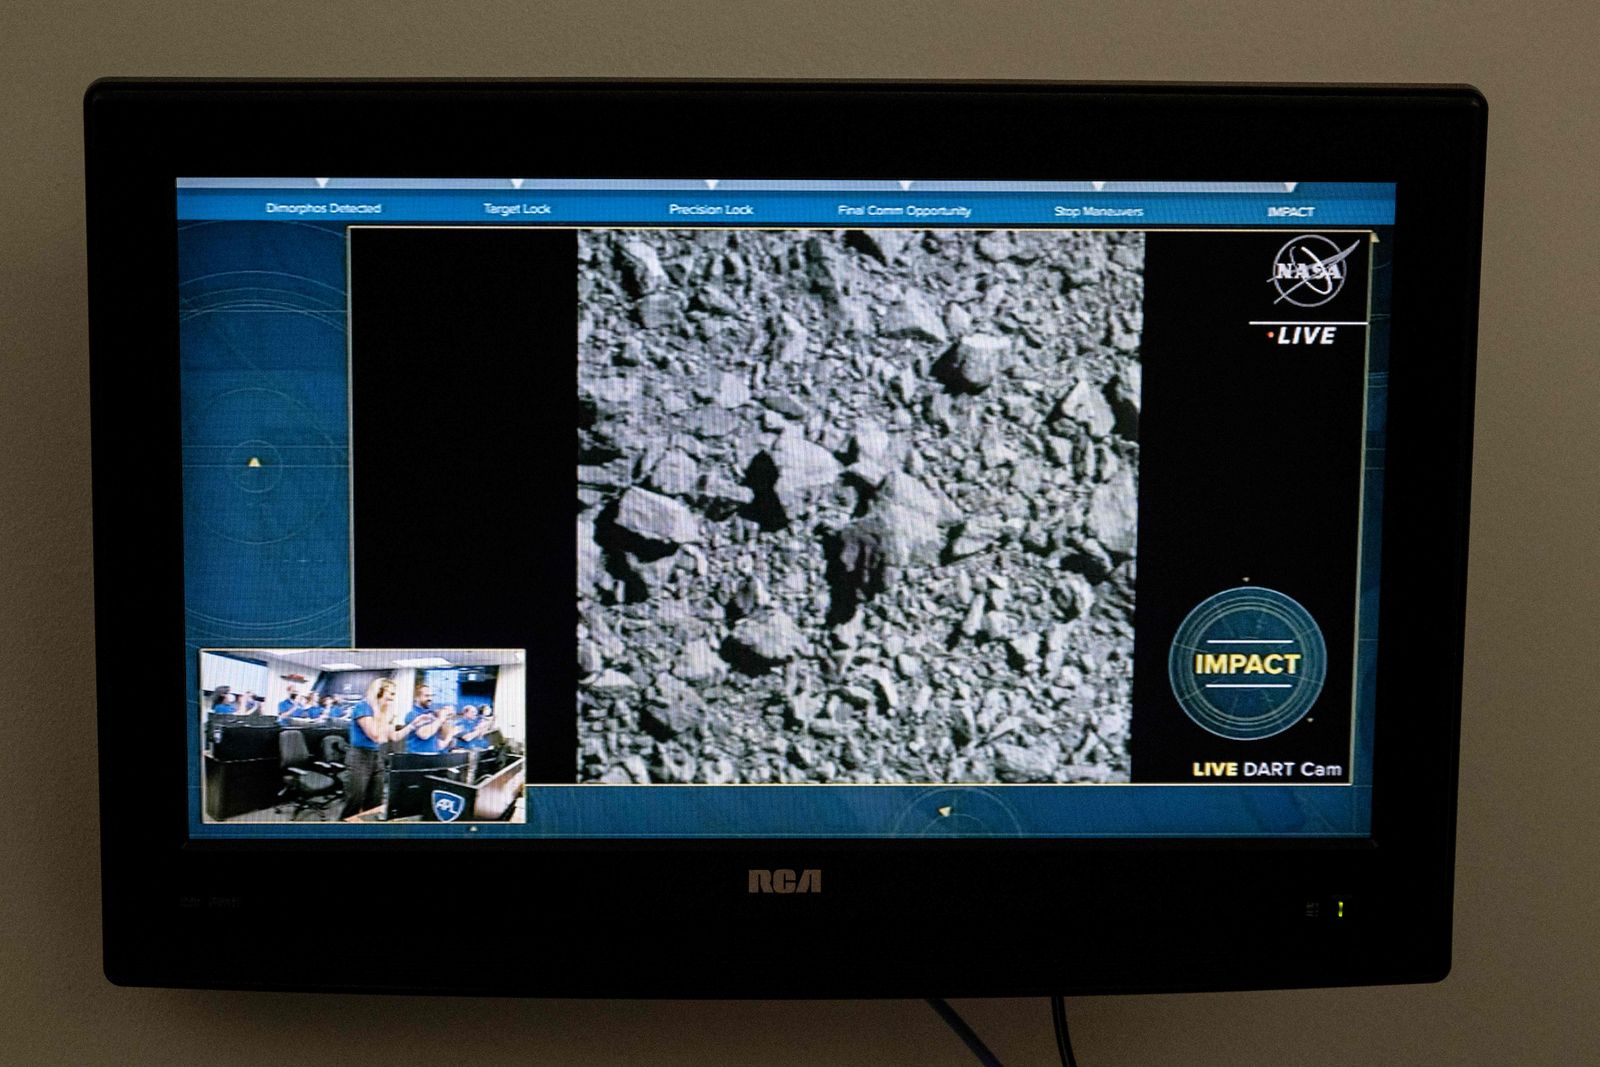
[1247, 663]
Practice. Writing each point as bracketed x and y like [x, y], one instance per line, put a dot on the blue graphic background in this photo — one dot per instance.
[1102, 811]
[261, 310]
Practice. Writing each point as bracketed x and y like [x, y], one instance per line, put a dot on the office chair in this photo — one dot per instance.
[309, 783]
[334, 749]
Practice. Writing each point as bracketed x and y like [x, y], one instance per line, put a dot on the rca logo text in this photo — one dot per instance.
[784, 880]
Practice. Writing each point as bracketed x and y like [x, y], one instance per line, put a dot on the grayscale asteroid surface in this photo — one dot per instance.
[857, 506]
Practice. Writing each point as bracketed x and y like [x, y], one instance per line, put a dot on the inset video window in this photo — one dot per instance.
[362, 736]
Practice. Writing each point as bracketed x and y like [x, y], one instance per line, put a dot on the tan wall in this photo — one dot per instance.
[1524, 989]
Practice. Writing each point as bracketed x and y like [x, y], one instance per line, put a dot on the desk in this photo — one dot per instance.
[488, 799]
[237, 786]
[412, 778]
[243, 767]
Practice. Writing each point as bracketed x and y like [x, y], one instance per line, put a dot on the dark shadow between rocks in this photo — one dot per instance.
[766, 510]
[744, 660]
[855, 568]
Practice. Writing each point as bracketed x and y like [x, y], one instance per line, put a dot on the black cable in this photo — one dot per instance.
[964, 1032]
[1058, 1016]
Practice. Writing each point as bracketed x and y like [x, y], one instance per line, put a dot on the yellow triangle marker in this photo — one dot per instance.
[945, 810]
[254, 462]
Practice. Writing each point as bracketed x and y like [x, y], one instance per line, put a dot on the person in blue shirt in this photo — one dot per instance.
[420, 719]
[371, 727]
[292, 708]
[427, 730]
[227, 704]
[471, 730]
[287, 706]
[322, 710]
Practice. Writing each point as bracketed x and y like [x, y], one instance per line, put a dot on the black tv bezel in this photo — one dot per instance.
[674, 918]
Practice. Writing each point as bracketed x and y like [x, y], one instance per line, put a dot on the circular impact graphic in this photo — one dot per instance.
[1247, 663]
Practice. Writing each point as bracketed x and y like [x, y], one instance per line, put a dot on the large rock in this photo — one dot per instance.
[1114, 514]
[1124, 394]
[655, 310]
[886, 246]
[798, 470]
[1014, 763]
[612, 398]
[725, 389]
[914, 318]
[1074, 597]
[767, 638]
[973, 362]
[1087, 406]
[826, 268]
[591, 564]
[789, 338]
[976, 534]
[912, 519]
[609, 681]
[641, 267]
[675, 473]
[672, 708]
[657, 518]
[699, 662]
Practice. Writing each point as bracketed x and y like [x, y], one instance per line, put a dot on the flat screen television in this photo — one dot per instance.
[834, 539]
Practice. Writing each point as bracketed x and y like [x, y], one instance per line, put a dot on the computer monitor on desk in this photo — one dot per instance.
[244, 741]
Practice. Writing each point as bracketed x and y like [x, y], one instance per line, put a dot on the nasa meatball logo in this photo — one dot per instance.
[447, 807]
[1310, 270]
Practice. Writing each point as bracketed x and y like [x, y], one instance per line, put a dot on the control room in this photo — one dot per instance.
[362, 736]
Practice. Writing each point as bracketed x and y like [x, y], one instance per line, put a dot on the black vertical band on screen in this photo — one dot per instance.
[463, 395]
[1250, 474]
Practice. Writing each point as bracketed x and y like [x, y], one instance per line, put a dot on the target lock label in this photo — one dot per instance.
[1247, 663]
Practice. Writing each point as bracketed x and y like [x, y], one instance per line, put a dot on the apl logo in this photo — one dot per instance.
[1309, 271]
[447, 807]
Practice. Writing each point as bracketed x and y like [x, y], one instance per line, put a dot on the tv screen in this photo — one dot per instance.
[768, 513]
[964, 501]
